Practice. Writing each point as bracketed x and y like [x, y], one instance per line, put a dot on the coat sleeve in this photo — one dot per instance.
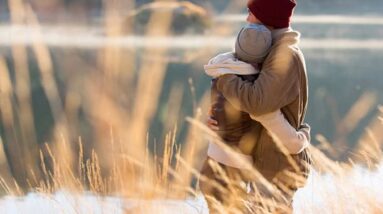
[276, 86]
[295, 141]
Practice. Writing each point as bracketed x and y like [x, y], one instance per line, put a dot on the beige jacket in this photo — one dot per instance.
[282, 84]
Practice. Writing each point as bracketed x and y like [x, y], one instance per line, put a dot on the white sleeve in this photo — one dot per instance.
[226, 63]
[229, 157]
[275, 123]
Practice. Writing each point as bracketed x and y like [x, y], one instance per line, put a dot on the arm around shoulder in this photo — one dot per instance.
[276, 86]
[295, 141]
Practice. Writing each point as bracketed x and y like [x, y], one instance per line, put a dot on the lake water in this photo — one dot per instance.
[343, 55]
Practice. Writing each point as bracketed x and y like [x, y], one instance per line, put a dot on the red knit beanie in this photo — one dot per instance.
[275, 13]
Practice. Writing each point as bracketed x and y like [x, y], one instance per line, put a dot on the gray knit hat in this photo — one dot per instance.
[253, 43]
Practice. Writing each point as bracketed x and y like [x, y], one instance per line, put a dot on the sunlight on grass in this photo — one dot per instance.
[121, 167]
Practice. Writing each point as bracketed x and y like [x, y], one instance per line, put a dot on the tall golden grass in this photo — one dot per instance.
[120, 96]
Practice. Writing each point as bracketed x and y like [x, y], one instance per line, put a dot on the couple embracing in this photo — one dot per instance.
[258, 103]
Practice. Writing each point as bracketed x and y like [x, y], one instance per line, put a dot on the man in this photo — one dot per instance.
[282, 84]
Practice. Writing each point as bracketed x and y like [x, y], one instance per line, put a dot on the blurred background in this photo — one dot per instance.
[120, 77]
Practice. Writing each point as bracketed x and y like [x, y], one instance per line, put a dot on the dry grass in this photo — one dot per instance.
[120, 99]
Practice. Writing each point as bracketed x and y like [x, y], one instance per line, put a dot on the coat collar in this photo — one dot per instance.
[285, 35]
[277, 33]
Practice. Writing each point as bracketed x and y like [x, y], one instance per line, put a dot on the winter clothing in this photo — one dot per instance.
[281, 130]
[219, 154]
[227, 63]
[253, 43]
[282, 84]
[275, 13]
[234, 129]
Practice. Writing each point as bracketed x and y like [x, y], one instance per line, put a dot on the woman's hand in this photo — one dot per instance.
[211, 122]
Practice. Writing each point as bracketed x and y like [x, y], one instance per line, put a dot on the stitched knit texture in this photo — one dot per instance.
[275, 13]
